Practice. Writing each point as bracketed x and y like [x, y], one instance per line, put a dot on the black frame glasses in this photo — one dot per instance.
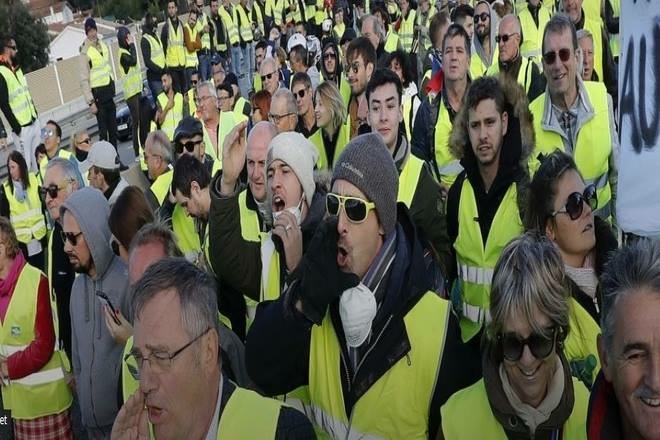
[188, 146]
[275, 119]
[504, 38]
[539, 344]
[355, 208]
[71, 237]
[52, 190]
[328, 55]
[481, 17]
[549, 58]
[267, 76]
[575, 202]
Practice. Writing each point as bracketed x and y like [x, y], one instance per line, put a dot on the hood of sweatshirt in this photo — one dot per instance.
[494, 24]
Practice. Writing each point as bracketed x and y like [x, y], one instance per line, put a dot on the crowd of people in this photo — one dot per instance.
[344, 220]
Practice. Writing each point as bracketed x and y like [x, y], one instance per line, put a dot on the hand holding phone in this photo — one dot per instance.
[106, 301]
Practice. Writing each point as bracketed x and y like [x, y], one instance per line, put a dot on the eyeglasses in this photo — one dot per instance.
[46, 133]
[550, 57]
[52, 190]
[223, 98]
[193, 82]
[540, 345]
[330, 55]
[267, 76]
[504, 38]
[71, 237]
[356, 209]
[300, 93]
[481, 17]
[201, 99]
[159, 361]
[114, 244]
[354, 66]
[189, 146]
[575, 202]
[275, 119]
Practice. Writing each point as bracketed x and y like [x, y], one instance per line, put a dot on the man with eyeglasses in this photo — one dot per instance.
[192, 93]
[81, 143]
[225, 97]
[300, 63]
[361, 61]
[270, 75]
[17, 104]
[215, 123]
[103, 171]
[512, 63]
[576, 116]
[485, 48]
[158, 157]
[183, 391]
[51, 135]
[301, 86]
[283, 111]
[360, 322]
[96, 356]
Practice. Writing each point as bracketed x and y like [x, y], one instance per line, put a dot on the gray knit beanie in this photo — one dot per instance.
[367, 164]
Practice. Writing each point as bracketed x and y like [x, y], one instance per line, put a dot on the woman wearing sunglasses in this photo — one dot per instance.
[560, 206]
[527, 390]
[332, 122]
[21, 204]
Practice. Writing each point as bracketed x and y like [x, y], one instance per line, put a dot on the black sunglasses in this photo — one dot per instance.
[575, 202]
[267, 76]
[189, 146]
[540, 345]
[504, 38]
[550, 57]
[11, 47]
[301, 93]
[51, 190]
[329, 55]
[71, 237]
[481, 17]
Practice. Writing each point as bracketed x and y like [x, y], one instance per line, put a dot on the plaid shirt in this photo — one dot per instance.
[53, 427]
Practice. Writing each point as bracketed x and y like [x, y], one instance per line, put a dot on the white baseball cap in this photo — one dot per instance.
[102, 155]
[296, 39]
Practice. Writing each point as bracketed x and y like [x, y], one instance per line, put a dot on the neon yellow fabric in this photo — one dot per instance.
[176, 50]
[615, 39]
[174, 115]
[342, 140]
[477, 67]
[20, 100]
[248, 416]
[191, 57]
[100, 73]
[532, 34]
[409, 178]
[230, 26]
[392, 42]
[64, 154]
[580, 344]
[157, 54]
[244, 23]
[524, 74]
[26, 217]
[185, 231]
[132, 79]
[595, 27]
[407, 30]
[202, 21]
[161, 186]
[448, 166]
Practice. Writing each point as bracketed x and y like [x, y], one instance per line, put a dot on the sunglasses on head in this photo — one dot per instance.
[300, 93]
[481, 17]
[504, 38]
[267, 76]
[71, 237]
[540, 345]
[356, 209]
[575, 202]
[189, 146]
[550, 57]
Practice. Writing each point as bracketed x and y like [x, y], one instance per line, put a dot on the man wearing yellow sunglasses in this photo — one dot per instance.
[359, 322]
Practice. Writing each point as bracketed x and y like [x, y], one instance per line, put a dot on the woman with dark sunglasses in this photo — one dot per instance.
[560, 206]
[527, 390]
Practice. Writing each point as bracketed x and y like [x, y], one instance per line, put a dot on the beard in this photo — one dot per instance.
[14, 60]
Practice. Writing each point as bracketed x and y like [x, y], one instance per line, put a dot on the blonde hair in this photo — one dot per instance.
[329, 94]
[8, 237]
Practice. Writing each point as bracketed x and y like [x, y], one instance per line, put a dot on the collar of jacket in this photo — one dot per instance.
[585, 110]
[391, 342]
[506, 415]
[604, 414]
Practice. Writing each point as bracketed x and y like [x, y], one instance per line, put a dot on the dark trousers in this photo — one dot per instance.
[133, 104]
[106, 117]
[179, 80]
[204, 65]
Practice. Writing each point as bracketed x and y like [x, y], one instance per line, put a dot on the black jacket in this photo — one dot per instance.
[154, 72]
[278, 347]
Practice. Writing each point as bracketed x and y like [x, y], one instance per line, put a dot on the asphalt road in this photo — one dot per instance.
[126, 154]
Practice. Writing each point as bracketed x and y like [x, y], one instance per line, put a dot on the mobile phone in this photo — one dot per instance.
[105, 300]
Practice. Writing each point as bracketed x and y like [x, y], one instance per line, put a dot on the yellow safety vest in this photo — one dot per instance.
[409, 114]
[275, 9]
[448, 166]
[173, 116]
[476, 260]
[477, 67]
[185, 231]
[206, 38]
[192, 105]
[594, 144]
[26, 217]
[321, 13]
[409, 178]
[392, 42]
[412, 379]
[258, 17]
[407, 30]
[250, 231]
[270, 269]
[467, 415]
[426, 23]
[176, 50]
[524, 73]
[595, 27]
[239, 116]
[161, 186]
[249, 415]
[591, 9]
[20, 100]
[191, 57]
[44, 392]
[615, 39]
[230, 26]
[580, 344]
[100, 74]
[225, 123]
[293, 16]
[310, 11]
[339, 30]
[316, 138]
[244, 23]
[132, 79]
[157, 55]
[64, 154]
[532, 34]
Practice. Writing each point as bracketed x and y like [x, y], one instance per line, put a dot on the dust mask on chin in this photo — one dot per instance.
[295, 210]
[357, 309]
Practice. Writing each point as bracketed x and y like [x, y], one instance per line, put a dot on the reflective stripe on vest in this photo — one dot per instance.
[132, 79]
[191, 57]
[44, 392]
[206, 37]
[26, 217]
[448, 166]
[593, 147]
[407, 30]
[176, 50]
[594, 26]
[20, 100]
[409, 178]
[100, 74]
[161, 186]
[476, 260]
[157, 55]
[249, 415]
[243, 23]
[472, 402]
[412, 379]
[173, 116]
[532, 34]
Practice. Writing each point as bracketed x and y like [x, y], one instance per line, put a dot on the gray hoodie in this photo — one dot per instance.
[477, 47]
[96, 356]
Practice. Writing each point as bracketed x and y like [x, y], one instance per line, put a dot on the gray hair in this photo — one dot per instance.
[529, 278]
[584, 33]
[290, 100]
[516, 23]
[77, 134]
[557, 25]
[208, 85]
[631, 269]
[196, 290]
[69, 170]
[156, 232]
[268, 61]
[159, 140]
[377, 26]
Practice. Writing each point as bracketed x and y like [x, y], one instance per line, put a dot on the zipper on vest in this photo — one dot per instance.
[371, 346]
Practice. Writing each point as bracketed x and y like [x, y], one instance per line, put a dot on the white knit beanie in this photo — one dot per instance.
[298, 153]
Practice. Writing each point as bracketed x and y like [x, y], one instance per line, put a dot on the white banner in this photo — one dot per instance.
[638, 203]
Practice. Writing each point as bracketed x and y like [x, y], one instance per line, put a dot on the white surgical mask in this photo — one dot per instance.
[295, 210]
[357, 309]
